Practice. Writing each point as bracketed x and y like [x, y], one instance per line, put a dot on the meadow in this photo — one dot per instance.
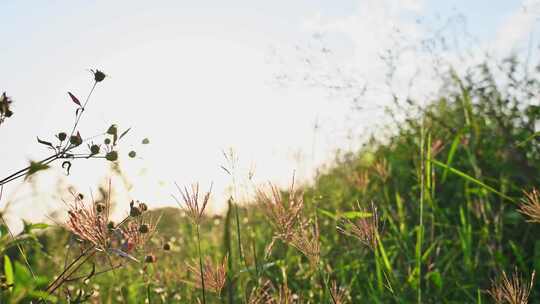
[445, 210]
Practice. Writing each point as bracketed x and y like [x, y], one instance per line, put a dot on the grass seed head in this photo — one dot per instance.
[191, 203]
[215, 276]
[530, 206]
[513, 290]
[365, 228]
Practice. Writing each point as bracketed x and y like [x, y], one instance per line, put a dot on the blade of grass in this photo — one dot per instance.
[472, 179]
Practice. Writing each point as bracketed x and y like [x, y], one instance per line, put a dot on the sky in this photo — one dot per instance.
[270, 80]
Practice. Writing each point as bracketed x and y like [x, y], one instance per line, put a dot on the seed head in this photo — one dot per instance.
[191, 204]
[166, 246]
[89, 224]
[365, 228]
[98, 75]
[530, 206]
[62, 136]
[150, 258]
[214, 275]
[100, 207]
[513, 290]
[144, 228]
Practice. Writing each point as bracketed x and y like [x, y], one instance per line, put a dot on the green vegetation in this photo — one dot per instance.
[438, 213]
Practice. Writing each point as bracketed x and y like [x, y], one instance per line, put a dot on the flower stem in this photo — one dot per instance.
[201, 264]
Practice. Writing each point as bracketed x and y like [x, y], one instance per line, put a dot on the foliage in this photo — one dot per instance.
[433, 214]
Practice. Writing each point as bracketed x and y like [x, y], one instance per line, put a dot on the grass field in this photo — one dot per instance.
[443, 211]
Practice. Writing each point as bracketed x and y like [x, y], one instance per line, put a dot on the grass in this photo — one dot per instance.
[437, 213]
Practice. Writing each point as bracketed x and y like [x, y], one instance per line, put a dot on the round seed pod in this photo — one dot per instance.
[150, 258]
[134, 211]
[144, 228]
[100, 207]
[94, 149]
[62, 136]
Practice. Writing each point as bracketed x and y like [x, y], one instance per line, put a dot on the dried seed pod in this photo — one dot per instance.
[150, 258]
[99, 75]
[144, 228]
[166, 246]
[100, 207]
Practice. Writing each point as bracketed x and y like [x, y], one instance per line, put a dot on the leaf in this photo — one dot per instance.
[46, 143]
[28, 227]
[36, 167]
[124, 133]
[356, 214]
[76, 140]
[8, 271]
[112, 130]
[327, 213]
[3, 231]
[111, 156]
[473, 180]
[74, 99]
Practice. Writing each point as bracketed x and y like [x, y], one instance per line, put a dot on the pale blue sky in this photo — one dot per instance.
[196, 78]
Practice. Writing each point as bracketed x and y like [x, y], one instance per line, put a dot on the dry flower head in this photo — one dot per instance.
[513, 290]
[339, 294]
[365, 228]
[215, 276]
[89, 222]
[530, 206]
[191, 205]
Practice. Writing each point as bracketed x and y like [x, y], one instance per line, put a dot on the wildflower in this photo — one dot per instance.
[530, 206]
[214, 275]
[365, 228]
[513, 290]
[191, 202]
[89, 224]
[134, 235]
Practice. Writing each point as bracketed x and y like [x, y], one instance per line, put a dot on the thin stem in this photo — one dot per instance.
[69, 266]
[80, 115]
[201, 264]
[72, 272]
[420, 234]
[325, 283]
[23, 171]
